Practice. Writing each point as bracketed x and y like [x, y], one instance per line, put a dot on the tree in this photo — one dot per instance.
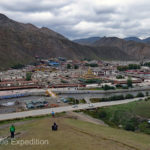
[129, 96]
[76, 66]
[28, 76]
[107, 87]
[129, 82]
[129, 67]
[133, 66]
[140, 94]
[102, 114]
[122, 68]
[68, 66]
[131, 124]
[120, 77]
[18, 66]
[91, 65]
[147, 64]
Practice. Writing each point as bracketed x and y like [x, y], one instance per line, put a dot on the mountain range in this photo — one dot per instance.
[91, 40]
[136, 48]
[20, 43]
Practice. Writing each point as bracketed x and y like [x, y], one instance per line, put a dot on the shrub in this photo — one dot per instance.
[140, 94]
[120, 77]
[129, 96]
[91, 65]
[146, 93]
[18, 66]
[134, 66]
[129, 83]
[129, 67]
[93, 81]
[102, 114]
[107, 87]
[28, 76]
[118, 86]
[76, 66]
[95, 100]
[82, 101]
[145, 127]
[64, 81]
[104, 99]
[122, 68]
[116, 97]
[129, 126]
[147, 64]
[68, 66]
[73, 100]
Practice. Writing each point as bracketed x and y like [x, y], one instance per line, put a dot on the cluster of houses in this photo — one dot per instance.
[54, 72]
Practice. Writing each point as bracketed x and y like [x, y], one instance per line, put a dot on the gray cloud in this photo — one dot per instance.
[83, 18]
[32, 5]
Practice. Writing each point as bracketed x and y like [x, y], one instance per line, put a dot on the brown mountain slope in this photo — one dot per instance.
[21, 42]
[132, 48]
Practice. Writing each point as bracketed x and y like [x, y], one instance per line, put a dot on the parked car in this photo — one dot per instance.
[54, 105]
[58, 101]
[91, 105]
[74, 106]
[30, 106]
[40, 105]
[45, 103]
[64, 100]
[36, 104]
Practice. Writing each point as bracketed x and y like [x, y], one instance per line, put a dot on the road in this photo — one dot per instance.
[61, 109]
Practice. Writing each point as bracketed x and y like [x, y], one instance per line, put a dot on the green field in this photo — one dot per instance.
[132, 116]
[141, 108]
[74, 135]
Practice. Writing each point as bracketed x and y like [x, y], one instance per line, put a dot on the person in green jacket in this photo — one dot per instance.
[12, 131]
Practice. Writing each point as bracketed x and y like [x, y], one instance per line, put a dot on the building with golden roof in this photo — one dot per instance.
[89, 75]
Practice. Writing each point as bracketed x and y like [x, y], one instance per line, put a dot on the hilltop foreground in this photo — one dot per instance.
[74, 135]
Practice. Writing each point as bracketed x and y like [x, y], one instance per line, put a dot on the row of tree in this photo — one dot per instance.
[128, 67]
[69, 66]
[117, 97]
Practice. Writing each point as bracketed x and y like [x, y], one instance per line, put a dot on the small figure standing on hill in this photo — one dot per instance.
[53, 114]
[54, 127]
[12, 131]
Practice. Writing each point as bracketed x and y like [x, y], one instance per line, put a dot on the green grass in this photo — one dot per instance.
[75, 135]
[30, 118]
[141, 108]
[131, 116]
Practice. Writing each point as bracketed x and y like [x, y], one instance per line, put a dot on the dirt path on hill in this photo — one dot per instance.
[84, 117]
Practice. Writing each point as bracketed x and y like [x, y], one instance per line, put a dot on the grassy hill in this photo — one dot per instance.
[74, 135]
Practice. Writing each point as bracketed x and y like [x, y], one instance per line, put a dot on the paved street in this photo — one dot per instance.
[61, 109]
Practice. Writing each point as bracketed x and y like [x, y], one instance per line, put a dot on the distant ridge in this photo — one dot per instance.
[87, 41]
[135, 47]
[133, 39]
[91, 40]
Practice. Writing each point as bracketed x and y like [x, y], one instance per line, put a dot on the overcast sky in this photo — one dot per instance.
[83, 18]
